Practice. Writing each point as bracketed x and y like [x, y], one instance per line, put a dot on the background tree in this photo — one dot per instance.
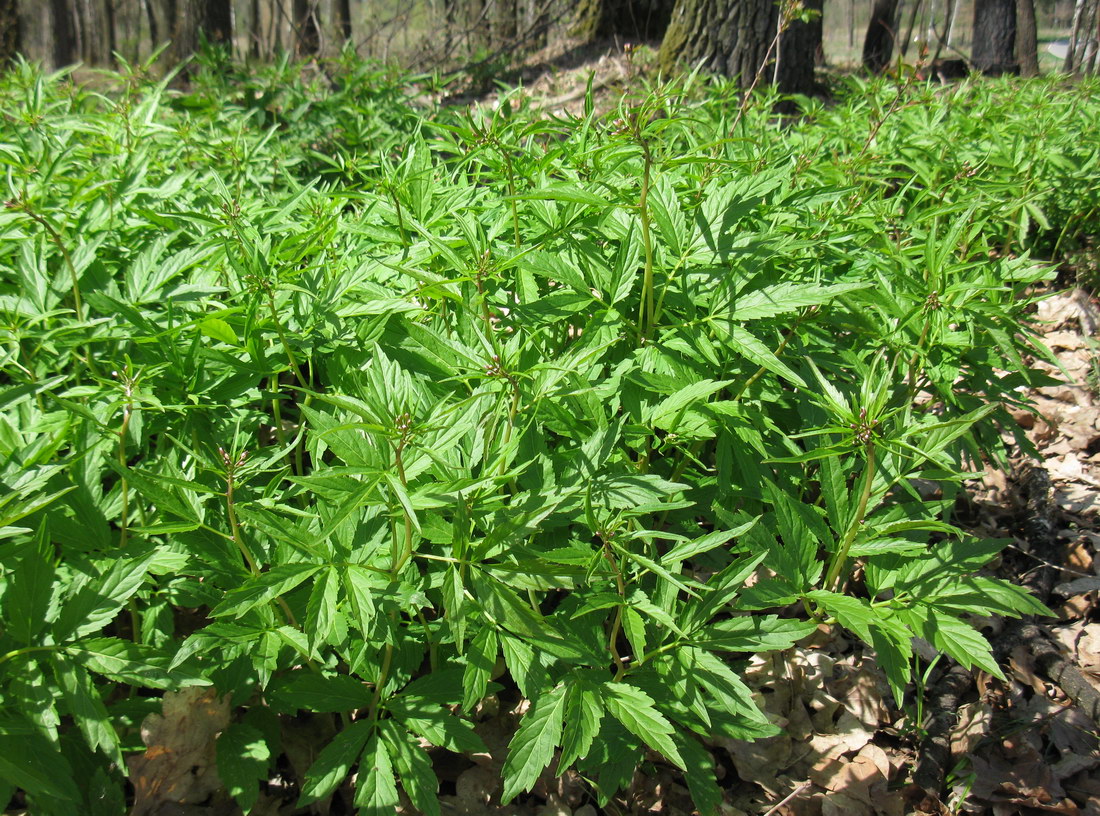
[748, 39]
[878, 44]
[1027, 40]
[10, 44]
[307, 32]
[993, 51]
[631, 20]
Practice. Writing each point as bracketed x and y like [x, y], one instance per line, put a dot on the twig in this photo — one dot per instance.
[788, 798]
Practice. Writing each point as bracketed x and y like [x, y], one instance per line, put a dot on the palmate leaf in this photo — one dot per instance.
[334, 762]
[305, 690]
[699, 774]
[86, 707]
[414, 768]
[636, 711]
[480, 659]
[321, 611]
[264, 588]
[757, 633]
[96, 600]
[583, 713]
[532, 748]
[27, 597]
[29, 761]
[243, 756]
[376, 787]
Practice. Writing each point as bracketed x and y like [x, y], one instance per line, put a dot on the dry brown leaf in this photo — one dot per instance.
[178, 765]
[973, 724]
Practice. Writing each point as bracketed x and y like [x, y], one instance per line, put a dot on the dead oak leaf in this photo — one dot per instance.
[178, 766]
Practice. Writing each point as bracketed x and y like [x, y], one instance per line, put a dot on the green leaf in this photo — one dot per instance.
[218, 329]
[749, 346]
[532, 748]
[132, 663]
[436, 724]
[583, 712]
[636, 711]
[413, 768]
[559, 191]
[756, 633]
[321, 610]
[962, 641]
[30, 762]
[305, 690]
[634, 627]
[480, 659]
[86, 707]
[334, 762]
[264, 588]
[27, 597]
[243, 757]
[359, 586]
[376, 788]
[670, 411]
[787, 297]
[97, 601]
[699, 774]
[855, 614]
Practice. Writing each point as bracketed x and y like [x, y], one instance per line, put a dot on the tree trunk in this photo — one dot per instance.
[64, 34]
[10, 29]
[878, 44]
[994, 37]
[1082, 52]
[630, 20]
[737, 38]
[342, 11]
[216, 21]
[1027, 41]
[305, 29]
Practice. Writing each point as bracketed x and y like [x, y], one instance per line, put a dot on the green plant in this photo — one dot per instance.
[573, 408]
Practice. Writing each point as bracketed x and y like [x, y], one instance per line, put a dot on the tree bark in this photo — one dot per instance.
[631, 20]
[64, 34]
[10, 31]
[994, 37]
[738, 38]
[878, 44]
[1027, 40]
[216, 21]
[305, 29]
[342, 12]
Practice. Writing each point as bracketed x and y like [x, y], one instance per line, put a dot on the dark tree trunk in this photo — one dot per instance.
[342, 10]
[735, 38]
[1027, 40]
[305, 29]
[878, 45]
[216, 21]
[631, 20]
[64, 33]
[10, 39]
[994, 37]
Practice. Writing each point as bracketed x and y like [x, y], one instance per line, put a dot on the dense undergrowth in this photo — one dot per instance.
[351, 407]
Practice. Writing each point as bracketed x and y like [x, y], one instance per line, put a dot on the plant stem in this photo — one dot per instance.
[616, 623]
[125, 485]
[512, 192]
[646, 308]
[832, 578]
[282, 339]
